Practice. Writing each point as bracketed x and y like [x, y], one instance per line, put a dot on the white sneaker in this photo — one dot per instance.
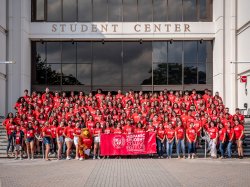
[94, 158]
[81, 159]
[21, 158]
[98, 158]
[68, 158]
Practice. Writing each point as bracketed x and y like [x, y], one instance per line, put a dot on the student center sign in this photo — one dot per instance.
[147, 45]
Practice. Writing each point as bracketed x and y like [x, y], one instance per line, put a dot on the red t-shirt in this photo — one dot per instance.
[77, 131]
[161, 133]
[53, 131]
[117, 131]
[139, 131]
[222, 134]
[10, 128]
[59, 131]
[128, 129]
[180, 133]
[191, 134]
[170, 133]
[230, 133]
[47, 131]
[212, 132]
[30, 133]
[87, 142]
[97, 131]
[108, 130]
[18, 138]
[68, 131]
[238, 129]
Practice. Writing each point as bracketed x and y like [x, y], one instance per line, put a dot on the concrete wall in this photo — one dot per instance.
[2, 57]
[243, 51]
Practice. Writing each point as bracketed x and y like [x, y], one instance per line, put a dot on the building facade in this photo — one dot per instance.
[145, 45]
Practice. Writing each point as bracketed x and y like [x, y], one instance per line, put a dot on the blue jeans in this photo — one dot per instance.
[169, 148]
[229, 149]
[191, 147]
[10, 143]
[159, 147]
[221, 148]
[180, 145]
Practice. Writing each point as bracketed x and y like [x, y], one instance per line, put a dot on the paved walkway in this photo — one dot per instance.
[125, 172]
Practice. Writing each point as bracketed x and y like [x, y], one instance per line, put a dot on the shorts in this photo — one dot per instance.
[76, 140]
[46, 140]
[68, 140]
[18, 148]
[28, 140]
[60, 139]
[97, 139]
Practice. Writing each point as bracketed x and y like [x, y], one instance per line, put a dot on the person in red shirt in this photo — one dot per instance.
[239, 135]
[53, 127]
[180, 139]
[10, 129]
[222, 139]
[170, 135]
[160, 138]
[213, 135]
[230, 138]
[69, 138]
[18, 136]
[128, 129]
[96, 134]
[47, 139]
[60, 139]
[30, 139]
[191, 135]
[139, 129]
[118, 129]
[77, 132]
[108, 129]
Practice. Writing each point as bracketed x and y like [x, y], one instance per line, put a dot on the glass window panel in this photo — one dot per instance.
[39, 10]
[190, 51]
[53, 52]
[40, 52]
[145, 10]
[160, 74]
[189, 10]
[69, 74]
[40, 59]
[69, 52]
[115, 10]
[160, 51]
[84, 52]
[85, 10]
[175, 52]
[137, 63]
[205, 51]
[190, 73]
[100, 10]
[54, 74]
[175, 73]
[129, 10]
[54, 10]
[174, 10]
[205, 10]
[160, 10]
[107, 63]
[70, 10]
[209, 73]
[84, 74]
[202, 74]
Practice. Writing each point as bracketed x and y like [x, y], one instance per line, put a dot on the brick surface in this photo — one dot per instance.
[125, 172]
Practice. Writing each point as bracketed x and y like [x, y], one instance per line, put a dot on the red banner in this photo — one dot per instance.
[128, 144]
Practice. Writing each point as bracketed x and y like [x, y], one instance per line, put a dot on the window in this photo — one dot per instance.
[69, 10]
[54, 8]
[69, 74]
[84, 52]
[190, 51]
[160, 51]
[145, 10]
[175, 10]
[84, 10]
[129, 10]
[190, 73]
[175, 73]
[39, 13]
[69, 52]
[84, 74]
[175, 52]
[160, 10]
[54, 52]
[189, 10]
[160, 72]
[100, 10]
[115, 10]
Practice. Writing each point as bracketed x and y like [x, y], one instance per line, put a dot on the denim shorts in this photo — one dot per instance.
[28, 140]
[60, 139]
[46, 140]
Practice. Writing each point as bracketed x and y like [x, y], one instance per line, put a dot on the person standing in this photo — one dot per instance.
[160, 138]
[230, 139]
[191, 135]
[239, 135]
[47, 136]
[18, 140]
[213, 135]
[222, 139]
[180, 139]
[170, 135]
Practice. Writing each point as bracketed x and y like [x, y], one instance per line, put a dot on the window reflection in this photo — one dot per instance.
[39, 10]
[54, 52]
[174, 73]
[84, 52]
[84, 74]
[202, 74]
[54, 10]
[69, 74]
[69, 52]
[160, 10]
[189, 10]
[100, 10]
[85, 10]
[107, 63]
[53, 74]
[160, 74]
[160, 51]
[115, 10]
[145, 10]
[69, 10]
[190, 51]
[175, 10]
[175, 52]
[137, 63]
[190, 73]
[129, 10]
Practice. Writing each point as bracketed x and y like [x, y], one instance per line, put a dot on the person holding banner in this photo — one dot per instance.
[180, 139]
[96, 134]
[170, 134]
[191, 135]
[118, 129]
[160, 138]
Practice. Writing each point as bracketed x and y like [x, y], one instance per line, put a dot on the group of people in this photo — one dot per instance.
[66, 123]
